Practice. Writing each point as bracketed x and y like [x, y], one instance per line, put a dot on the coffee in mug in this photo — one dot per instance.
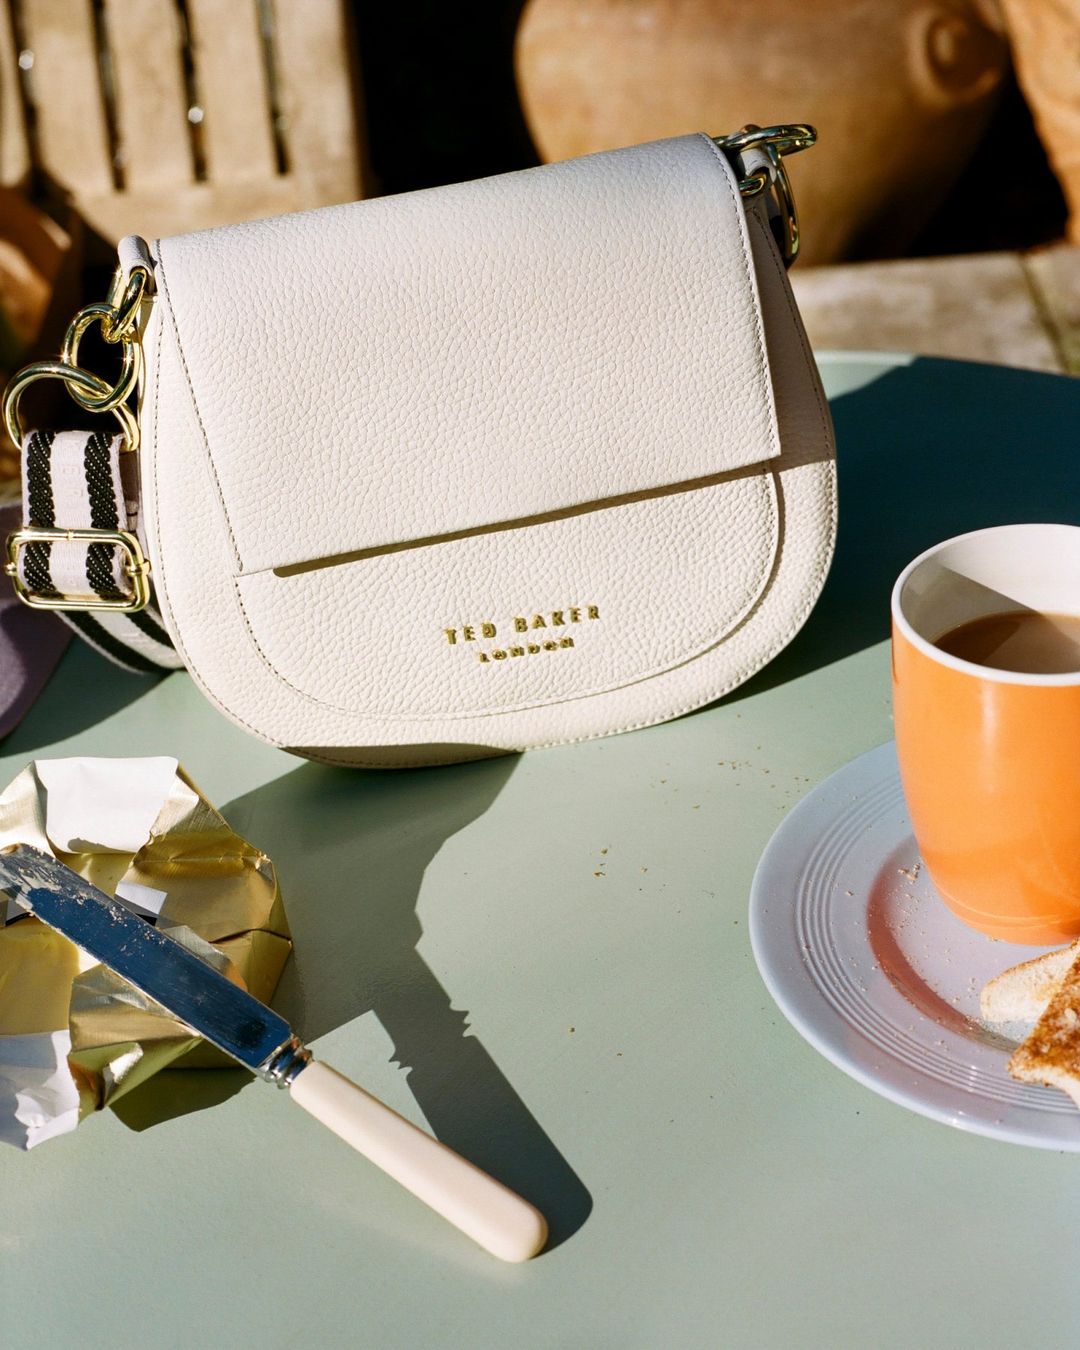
[986, 701]
[1021, 640]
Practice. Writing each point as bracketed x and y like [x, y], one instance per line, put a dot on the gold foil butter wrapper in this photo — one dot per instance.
[73, 1036]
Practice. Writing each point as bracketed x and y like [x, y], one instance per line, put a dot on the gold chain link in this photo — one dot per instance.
[773, 143]
[118, 317]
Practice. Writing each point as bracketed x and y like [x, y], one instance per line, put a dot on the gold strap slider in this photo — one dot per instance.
[136, 566]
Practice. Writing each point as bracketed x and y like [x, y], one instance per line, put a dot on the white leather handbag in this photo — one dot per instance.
[482, 468]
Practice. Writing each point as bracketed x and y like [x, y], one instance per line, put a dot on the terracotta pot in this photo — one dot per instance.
[39, 263]
[1045, 38]
[900, 91]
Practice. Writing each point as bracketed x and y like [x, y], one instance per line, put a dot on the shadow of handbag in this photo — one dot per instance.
[486, 467]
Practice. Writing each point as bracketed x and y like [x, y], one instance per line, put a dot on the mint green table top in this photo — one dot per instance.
[545, 959]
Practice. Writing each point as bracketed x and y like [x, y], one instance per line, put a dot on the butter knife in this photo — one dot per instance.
[227, 1016]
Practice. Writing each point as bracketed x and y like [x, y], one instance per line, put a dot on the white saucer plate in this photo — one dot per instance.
[862, 957]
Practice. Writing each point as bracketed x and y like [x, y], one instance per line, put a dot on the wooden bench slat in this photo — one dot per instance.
[155, 138]
[323, 123]
[71, 118]
[232, 85]
[197, 206]
[973, 307]
[14, 154]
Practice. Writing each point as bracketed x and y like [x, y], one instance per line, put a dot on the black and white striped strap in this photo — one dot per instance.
[74, 480]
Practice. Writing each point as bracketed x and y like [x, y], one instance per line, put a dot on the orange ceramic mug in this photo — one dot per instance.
[990, 759]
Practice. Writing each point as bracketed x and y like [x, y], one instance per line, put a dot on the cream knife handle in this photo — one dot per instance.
[500, 1221]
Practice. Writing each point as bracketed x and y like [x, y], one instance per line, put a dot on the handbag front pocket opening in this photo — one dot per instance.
[521, 617]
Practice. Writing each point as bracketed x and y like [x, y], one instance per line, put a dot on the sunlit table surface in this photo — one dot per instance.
[545, 960]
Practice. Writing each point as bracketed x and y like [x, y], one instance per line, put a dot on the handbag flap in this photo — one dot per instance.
[413, 367]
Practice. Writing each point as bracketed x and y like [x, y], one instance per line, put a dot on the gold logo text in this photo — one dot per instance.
[532, 624]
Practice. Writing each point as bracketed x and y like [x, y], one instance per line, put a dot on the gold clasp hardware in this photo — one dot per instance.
[773, 143]
[119, 318]
[136, 567]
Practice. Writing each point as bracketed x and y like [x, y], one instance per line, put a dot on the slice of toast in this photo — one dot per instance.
[1051, 1053]
[1021, 993]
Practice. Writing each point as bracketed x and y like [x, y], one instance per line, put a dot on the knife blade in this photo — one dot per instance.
[263, 1042]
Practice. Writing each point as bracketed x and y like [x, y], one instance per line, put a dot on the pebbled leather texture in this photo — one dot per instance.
[565, 420]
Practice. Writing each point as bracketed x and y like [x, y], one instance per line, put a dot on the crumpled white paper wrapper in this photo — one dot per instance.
[89, 809]
[88, 802]
[38, 1096]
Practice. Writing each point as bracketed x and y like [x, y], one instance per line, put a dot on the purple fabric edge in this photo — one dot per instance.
[31, 642]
